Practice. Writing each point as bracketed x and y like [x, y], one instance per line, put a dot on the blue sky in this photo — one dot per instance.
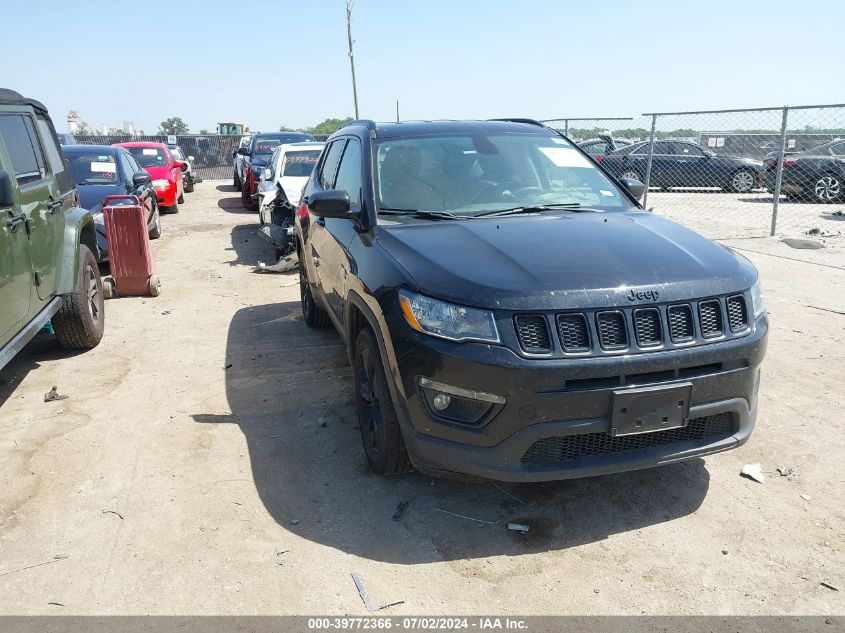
[278, 61]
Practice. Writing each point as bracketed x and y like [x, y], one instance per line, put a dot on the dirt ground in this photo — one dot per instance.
[207, 461]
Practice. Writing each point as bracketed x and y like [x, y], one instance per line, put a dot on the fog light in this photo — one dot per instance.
[441, 401]
[457, 404]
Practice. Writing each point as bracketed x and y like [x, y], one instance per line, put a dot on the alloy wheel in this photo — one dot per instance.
[369, 406]
[93, 292]
[632, 175]
[742, 182]
[828, 188]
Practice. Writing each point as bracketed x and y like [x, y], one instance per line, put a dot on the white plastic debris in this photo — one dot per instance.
[784, 471]
[518, 527]
[753, 471]
[282, 266]
[806, 497]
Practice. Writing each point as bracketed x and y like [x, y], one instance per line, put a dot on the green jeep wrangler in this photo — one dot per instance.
[48, 270]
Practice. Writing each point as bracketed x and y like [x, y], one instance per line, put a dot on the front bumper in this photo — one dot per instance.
[562, 404]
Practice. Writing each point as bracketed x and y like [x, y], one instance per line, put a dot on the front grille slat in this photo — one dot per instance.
[710, 316]
[612, 332]
[573, 332]
[533, 333]
[555, 450]
[647, 327]
[681, 329]
[737, 314]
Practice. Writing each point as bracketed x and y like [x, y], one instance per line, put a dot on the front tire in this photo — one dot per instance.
[236, 180]
[155, 232]
[181, 198]
[377, 419]
[315, 316]
[80, 322]
[828, 189]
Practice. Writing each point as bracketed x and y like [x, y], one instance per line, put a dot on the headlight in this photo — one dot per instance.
[161, 183]
[757, 299]
[446, 320]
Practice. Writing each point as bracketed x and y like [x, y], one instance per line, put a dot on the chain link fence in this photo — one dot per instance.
[212, 154]
[729, 173]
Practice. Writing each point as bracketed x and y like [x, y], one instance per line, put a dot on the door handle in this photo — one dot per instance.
[14, 221]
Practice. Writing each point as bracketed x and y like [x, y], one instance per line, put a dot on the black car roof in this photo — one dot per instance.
[281, 135]
[424, 128]
[10, 97]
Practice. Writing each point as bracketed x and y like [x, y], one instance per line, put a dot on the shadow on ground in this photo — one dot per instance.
[288, 388]
[44, 347]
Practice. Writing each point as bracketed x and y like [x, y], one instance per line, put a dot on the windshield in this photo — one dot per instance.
[92, 168]
[468, 175]
[148, 156]
[300, 163]
[266, 144]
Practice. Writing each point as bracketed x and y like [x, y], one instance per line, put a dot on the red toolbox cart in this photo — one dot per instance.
[130, 252]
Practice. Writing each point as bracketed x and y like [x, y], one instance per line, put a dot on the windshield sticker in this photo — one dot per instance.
[607, 193]
[565, 157]
[293, 158]
[150, 152]
[104, 167]
[559, 141]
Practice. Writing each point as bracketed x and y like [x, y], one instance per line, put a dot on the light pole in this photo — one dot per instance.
[349, 4]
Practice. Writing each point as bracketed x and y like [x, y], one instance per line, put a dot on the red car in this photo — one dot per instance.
[166, 173]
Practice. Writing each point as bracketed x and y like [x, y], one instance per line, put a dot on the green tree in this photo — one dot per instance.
[173, 125]
[285, 128]
[329, 126]
[203, 131]
[83, 129]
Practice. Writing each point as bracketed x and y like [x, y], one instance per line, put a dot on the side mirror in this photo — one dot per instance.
[332, 203]
[266, 174]
[634, 187]
[7, 198]
[180, 164]
[243, 151]
[141, 178]
[191, 159]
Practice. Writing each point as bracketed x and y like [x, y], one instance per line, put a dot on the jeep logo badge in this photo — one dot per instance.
[642, 295]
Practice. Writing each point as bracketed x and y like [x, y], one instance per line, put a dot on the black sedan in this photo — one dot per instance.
[684, 164]
[600, 147]
[105, 170]
[816, 174]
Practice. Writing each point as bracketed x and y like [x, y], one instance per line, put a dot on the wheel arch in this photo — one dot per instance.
[79, 230]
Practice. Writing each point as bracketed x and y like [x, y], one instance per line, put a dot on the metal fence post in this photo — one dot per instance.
[566, 128]
[650, 155]
[779, 173]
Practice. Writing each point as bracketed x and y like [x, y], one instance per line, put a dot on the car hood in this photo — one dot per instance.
[293, 187]
[91, 196]
[558, 261]
[158, 173]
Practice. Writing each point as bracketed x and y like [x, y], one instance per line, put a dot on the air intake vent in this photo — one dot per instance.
[710, 314]
[533, 333]
[737, 315]
[572, 329]
[681, 329]
[647, 327]
[611, 327]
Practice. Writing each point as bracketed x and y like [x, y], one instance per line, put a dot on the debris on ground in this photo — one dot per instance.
[512, 496]
[802, 244]
[400, 510]
[753, 471]
[284, 265]
[784, 471]
[365, 597]
[828, 586]
[518, 527]
[55, 559]
[228, 366]
[461, 516]
[827, 310]
[53, 394]
[820, 233]
[118, 514]
[294, 521]
[166, 312]
[806, 497]
[56, 604]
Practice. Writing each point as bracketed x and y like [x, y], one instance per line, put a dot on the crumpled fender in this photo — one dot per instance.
[79, 229]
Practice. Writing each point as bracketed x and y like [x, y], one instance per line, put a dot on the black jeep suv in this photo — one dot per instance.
[512, 313]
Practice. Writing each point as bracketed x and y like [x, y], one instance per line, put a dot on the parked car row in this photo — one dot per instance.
[816, 174]
[255, 157]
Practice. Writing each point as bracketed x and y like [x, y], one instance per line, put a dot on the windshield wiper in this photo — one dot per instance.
[534, 208]
[420, 213]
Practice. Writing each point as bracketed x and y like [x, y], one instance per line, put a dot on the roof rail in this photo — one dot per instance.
[371, 125]
[518, 120]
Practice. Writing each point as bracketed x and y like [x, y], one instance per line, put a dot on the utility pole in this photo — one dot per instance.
[349, 4]
[397, 110]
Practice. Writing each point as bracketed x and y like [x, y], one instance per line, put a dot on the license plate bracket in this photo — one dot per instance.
[650, 409]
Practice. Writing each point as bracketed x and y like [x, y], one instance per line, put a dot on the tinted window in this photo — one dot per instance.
[23, 147]
[148, 156]
[687, 149]
[349, 172]
[126, 167]
[327, 171]
[57, 166]
[92, 167]
[594, 149]
[133, 163]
